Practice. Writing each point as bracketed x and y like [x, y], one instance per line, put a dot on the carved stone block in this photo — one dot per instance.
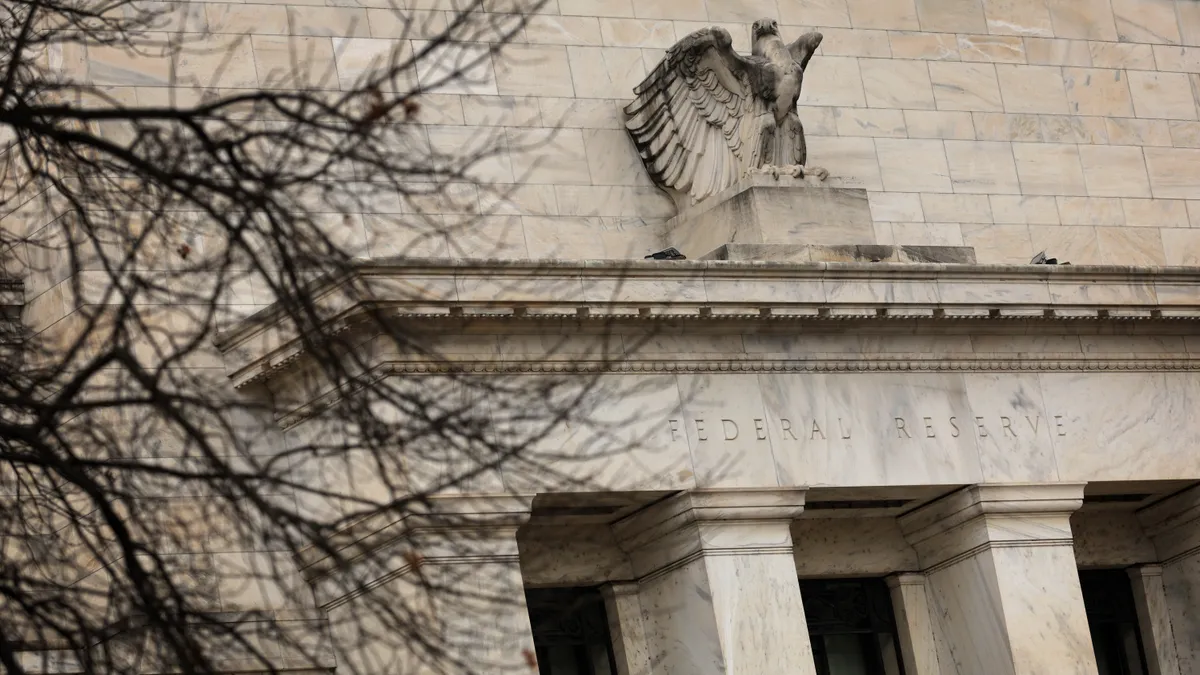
[761, 209]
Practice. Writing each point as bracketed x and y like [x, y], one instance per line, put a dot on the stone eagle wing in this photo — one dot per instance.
[687, 114]
[804, 47]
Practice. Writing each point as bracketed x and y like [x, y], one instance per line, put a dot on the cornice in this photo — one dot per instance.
[743, 267]
[728, 293]
[866, 364]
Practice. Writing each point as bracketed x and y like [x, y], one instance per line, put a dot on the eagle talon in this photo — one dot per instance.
[793, 170]
[771, 170]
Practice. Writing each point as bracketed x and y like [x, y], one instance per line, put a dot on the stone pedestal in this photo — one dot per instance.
[764, 210]
[1174, 526]
[717, 584]
[1002, 580]
[452, 580]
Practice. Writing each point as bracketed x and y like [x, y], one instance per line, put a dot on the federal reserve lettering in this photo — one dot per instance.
[903, 428]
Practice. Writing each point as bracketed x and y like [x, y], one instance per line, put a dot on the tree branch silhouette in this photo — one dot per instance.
[154, 518]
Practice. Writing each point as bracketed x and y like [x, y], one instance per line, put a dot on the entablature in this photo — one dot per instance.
[752, 297]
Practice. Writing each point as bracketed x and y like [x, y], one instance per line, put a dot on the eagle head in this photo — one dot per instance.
[765, 27]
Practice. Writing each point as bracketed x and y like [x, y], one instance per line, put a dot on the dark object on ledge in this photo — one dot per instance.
[1041, 259]
[671, 253]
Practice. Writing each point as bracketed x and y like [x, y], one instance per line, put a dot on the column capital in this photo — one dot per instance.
[905, 579]
[619, 589]
[685, 508]
[443, 529]
[992, 515]
[716, 568]
[709, 522]
[1173, 524]
[1144, 571]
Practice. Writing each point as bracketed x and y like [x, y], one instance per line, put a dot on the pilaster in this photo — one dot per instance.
[1154, 619]
[625, 628]
[450, 572]
[914, 625]
[1173, 525]
[717, 582]
[1003, 581]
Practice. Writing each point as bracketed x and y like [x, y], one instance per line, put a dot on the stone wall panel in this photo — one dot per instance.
[1048, 110]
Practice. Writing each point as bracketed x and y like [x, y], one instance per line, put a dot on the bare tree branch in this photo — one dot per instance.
[154, 518]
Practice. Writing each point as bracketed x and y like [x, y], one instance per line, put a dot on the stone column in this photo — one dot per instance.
[1174, 526]
[625, 628]
[1002, 580]
[717, 583]
[1154, 620]
[452, 573]
[914, 626]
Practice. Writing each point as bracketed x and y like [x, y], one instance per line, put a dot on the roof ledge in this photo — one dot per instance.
[719, 290]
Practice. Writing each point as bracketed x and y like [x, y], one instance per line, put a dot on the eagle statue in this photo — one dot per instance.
[706, 116]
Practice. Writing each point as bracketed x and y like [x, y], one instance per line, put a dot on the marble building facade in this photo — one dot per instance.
[968, 437]
[857, 380]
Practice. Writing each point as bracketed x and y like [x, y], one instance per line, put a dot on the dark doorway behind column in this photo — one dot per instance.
[570, 631]
[1112, 618]
[851, 626]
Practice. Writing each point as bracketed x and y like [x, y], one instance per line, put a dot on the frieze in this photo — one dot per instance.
[848, 366]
